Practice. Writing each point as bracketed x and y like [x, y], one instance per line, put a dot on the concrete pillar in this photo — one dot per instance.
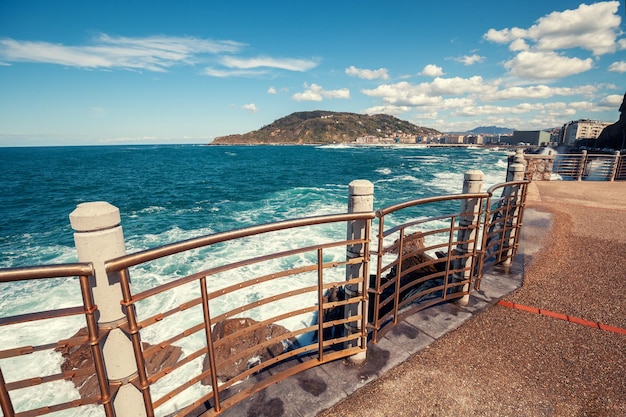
[518, 158]
[99, 237]
[468, 225]
[360, 199]
[516, 173]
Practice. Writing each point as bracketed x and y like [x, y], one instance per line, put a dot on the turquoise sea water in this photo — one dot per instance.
[176, 192]
[170, 193]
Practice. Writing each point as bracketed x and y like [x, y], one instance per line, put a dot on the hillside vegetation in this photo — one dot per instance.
[326, 127]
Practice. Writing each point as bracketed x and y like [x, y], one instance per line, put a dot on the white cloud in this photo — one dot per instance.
[522, 108]
[592, 27]
[271, 90]
[505, 35]
[432, 70]
[367, 74]
[470, 59]
[428, 94]
[619, 66]
[387, 109]
[223, 73]
[546, 65]
[611, 101]
[252, 108]
[298, 65]
[519, 45]
[536, 92]
[315, 92]
[156, 53]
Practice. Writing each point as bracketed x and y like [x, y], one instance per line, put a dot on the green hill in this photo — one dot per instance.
[326, 127]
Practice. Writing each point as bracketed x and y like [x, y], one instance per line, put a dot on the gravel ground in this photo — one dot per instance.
[507, 362]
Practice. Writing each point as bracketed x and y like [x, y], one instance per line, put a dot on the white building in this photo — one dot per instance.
[581, 129]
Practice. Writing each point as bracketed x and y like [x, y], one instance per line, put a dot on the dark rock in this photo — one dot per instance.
[79, 357]
[614, 136]
[416, 264]
[227, 355]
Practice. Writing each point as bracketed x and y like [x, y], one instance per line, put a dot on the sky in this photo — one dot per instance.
[130, 72]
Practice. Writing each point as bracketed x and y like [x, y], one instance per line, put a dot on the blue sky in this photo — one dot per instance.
[115, 72]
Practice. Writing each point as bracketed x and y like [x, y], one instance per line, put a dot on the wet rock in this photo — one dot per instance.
[79, 357]
[230, 357]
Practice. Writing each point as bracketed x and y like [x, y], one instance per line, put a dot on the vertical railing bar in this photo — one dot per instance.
[520, 216]
[449, 260]
[364, 292]
[398, 277]
[381, 236]
[133, 329]
[94, 342]
[505, 221]
[5, 398]
[476, 249]
[320, 305]
[209, 343]
[483, 244]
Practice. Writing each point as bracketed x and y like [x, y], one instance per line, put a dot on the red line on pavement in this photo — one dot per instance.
[560, 316]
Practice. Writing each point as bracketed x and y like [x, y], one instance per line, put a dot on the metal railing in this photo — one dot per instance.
[425, 252]
[426, 266]
[502, 230]
[208, 306]
[581, 166]
[84, 272]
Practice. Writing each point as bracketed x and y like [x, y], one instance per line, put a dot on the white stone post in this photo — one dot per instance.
[99, 237]
[516, 173]
[468, 226]
[360, 199]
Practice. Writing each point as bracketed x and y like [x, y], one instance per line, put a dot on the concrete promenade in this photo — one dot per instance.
[554, 346]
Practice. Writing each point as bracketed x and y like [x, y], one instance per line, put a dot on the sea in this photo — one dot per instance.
[168, 193]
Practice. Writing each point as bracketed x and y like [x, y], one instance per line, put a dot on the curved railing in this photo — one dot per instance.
[220, 381]
[84, 271]
[244, 322]
[504, 220]
[425, 261]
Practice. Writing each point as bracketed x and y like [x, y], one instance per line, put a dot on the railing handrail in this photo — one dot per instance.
[46, 271]
[152, 254]
[427, 200]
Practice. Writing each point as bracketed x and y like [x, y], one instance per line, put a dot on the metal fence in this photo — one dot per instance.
[90, 338]
[425, 252]
[580, 166]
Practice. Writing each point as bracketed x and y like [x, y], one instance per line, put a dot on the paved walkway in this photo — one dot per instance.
[488, 359]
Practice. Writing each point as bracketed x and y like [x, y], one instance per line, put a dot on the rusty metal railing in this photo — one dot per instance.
[503, 224]
[418, 261]
[84, 272]
[424, 252]
[207, 307]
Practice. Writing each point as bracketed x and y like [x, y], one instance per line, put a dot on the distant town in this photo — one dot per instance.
[580, 133]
